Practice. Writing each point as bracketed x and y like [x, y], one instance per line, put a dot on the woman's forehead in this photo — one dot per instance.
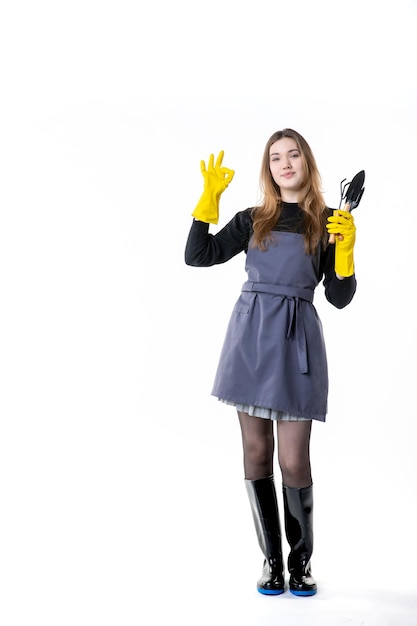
[285, 144]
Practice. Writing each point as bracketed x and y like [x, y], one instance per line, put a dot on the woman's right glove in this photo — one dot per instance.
[216, 179]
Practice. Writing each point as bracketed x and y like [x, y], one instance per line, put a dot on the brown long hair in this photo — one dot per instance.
[311, 199]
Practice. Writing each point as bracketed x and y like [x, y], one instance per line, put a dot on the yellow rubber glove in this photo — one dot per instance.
[216, 179]
[342, 225]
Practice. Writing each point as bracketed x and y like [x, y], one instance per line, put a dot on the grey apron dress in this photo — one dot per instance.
[274, 354]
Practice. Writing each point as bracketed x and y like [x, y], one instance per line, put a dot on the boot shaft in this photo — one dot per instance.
[298, 511]
[264, 506]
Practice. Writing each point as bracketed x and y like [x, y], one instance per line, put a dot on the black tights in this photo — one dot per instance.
[293, 449]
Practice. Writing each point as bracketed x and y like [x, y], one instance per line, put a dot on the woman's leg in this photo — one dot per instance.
[258, 446]
[294, 460]
[294, 452]
[258, 451]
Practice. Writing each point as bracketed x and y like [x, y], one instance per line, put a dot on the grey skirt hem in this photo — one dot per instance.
[269, 414]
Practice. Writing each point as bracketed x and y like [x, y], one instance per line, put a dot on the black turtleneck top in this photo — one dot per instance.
[204, 249]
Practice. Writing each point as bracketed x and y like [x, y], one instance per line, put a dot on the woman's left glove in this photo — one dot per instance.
[342, 225]
[216, 179]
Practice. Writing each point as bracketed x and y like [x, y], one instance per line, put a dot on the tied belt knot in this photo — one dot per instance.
[295, 326]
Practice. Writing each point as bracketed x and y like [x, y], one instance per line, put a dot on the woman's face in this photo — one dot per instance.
[287, 168]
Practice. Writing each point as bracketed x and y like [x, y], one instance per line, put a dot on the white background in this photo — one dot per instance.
[121, 480]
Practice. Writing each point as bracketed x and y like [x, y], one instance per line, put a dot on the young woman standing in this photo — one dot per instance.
[273, 366]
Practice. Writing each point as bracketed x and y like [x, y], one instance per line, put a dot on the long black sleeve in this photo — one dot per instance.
[204, 249]
[338, 292]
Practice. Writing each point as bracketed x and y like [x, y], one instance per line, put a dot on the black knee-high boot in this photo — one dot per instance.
[298, 509]
[263, 500]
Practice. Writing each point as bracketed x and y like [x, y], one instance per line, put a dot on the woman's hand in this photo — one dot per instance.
[342, 225]
[216, 180]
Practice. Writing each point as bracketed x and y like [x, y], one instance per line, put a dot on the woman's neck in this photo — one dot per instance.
[289, 196]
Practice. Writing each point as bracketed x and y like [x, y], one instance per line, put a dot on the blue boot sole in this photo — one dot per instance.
[267, 592]
[303, 593]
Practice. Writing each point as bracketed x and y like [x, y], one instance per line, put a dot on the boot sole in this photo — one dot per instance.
[267, 592]
[303, 593]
